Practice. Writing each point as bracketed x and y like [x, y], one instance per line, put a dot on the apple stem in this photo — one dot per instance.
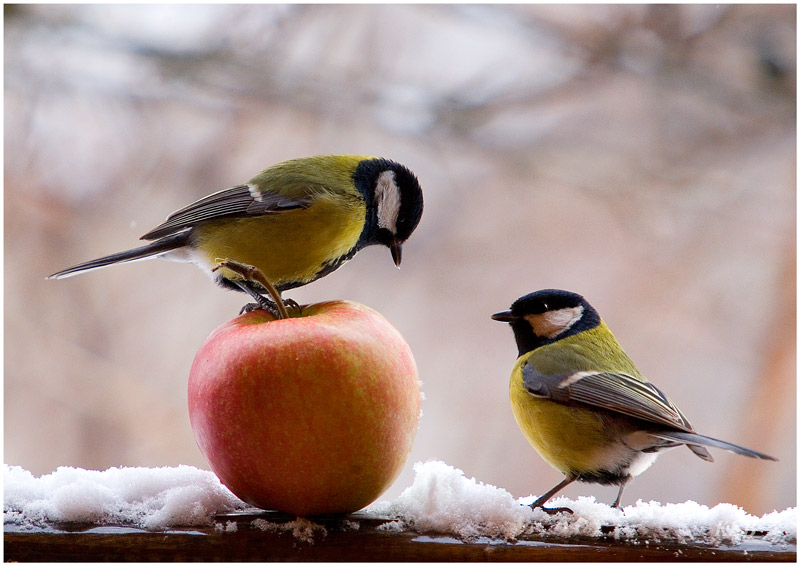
[252, 273]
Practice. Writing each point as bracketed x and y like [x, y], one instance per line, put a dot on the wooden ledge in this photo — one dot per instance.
[270, 536]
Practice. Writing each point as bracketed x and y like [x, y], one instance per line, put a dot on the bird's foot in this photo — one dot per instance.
[252, 274]
[249, 307]
[552, 510]
[294, 305]
[263, 303]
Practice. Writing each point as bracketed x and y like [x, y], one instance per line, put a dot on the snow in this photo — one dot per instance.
[441, 500]
[147, 498]
[302, 529]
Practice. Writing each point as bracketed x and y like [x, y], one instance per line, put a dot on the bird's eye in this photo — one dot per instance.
[544, 306]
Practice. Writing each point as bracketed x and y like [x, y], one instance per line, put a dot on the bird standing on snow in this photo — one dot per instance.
[582, 403]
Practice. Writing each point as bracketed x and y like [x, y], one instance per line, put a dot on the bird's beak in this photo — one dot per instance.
[397, 251]
[504, 316]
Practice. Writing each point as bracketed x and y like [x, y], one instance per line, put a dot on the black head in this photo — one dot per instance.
[394, 203]
[546, 316]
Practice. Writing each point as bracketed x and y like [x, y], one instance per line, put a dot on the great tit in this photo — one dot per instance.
[582, 403]
[296, 221]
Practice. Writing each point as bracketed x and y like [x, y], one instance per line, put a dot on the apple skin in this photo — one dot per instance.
[310, 415]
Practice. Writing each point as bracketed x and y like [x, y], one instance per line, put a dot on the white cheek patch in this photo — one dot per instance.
[552, 323]
[387, 197]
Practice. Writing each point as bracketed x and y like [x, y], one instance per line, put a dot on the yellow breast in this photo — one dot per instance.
[288, 247]
[569, 439]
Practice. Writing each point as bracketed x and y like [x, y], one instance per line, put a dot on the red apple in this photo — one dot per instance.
[311, 414]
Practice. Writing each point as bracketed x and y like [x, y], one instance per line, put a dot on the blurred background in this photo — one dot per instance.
[643, 156]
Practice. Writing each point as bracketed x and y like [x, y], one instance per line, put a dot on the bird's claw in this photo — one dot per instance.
[252, 274]
[553, 510]
[292, 304]
[270, 307]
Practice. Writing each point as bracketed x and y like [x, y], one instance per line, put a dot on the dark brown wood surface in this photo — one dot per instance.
[351, 538]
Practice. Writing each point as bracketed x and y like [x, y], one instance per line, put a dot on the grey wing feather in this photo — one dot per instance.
[629, 396]
[615, 392]
[694, 440]
[235, 202]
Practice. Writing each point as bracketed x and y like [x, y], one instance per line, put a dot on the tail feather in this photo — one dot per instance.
[694, 441]
[700, 452]
[153, 249]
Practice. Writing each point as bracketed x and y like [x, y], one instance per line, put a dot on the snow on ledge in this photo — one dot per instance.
[147, 498]
[440, 500]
